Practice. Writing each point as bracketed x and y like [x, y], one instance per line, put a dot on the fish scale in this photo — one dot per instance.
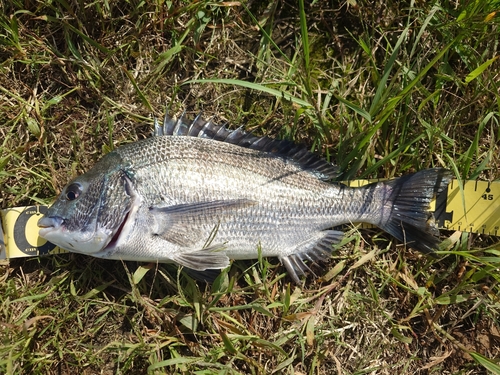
[160, 199]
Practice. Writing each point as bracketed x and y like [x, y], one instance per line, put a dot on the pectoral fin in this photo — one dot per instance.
[186, 224]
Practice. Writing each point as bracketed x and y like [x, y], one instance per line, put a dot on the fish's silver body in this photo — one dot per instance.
[198, 201]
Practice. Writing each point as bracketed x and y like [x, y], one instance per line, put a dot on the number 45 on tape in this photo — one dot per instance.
[471, 207]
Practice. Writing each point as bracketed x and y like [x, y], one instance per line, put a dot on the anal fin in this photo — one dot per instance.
[208, 258]
[315, 249]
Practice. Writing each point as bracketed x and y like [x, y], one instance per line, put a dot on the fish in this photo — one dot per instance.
[198, 194]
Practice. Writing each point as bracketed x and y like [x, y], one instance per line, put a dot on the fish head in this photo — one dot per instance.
[91, 209]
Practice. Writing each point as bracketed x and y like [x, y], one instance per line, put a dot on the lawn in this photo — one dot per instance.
[379, 88]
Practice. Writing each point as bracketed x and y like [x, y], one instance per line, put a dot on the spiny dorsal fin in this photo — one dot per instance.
[288, 150]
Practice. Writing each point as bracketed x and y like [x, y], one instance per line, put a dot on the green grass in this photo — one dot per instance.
[381, 89]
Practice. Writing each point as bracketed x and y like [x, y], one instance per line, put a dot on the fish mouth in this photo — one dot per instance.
[49, 224]
[54, 230]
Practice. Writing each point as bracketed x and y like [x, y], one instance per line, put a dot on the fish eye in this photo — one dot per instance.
[73, 191]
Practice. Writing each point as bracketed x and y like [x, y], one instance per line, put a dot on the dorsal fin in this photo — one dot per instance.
[288, 150]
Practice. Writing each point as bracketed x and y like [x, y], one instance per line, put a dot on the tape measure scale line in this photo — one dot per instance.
[473, 208]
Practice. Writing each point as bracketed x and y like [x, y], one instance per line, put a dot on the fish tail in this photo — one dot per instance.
[406, 204]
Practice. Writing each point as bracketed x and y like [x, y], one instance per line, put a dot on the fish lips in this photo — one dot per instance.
[53, 230]
[49, 223]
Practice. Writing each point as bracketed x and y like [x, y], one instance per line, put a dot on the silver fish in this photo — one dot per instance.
[198, 195]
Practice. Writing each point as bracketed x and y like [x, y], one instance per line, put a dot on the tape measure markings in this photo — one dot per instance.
[476, 208]
[21, 233]
[20, 236]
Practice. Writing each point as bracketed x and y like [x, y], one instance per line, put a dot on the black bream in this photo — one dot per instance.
[198, 195]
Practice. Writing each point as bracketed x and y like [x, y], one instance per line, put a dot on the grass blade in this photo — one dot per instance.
[480, 69]
[254, 86]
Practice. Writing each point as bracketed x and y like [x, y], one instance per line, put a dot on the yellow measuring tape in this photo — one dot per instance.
[473, 207]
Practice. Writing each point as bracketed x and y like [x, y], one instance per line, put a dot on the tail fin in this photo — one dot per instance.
[407, 207]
